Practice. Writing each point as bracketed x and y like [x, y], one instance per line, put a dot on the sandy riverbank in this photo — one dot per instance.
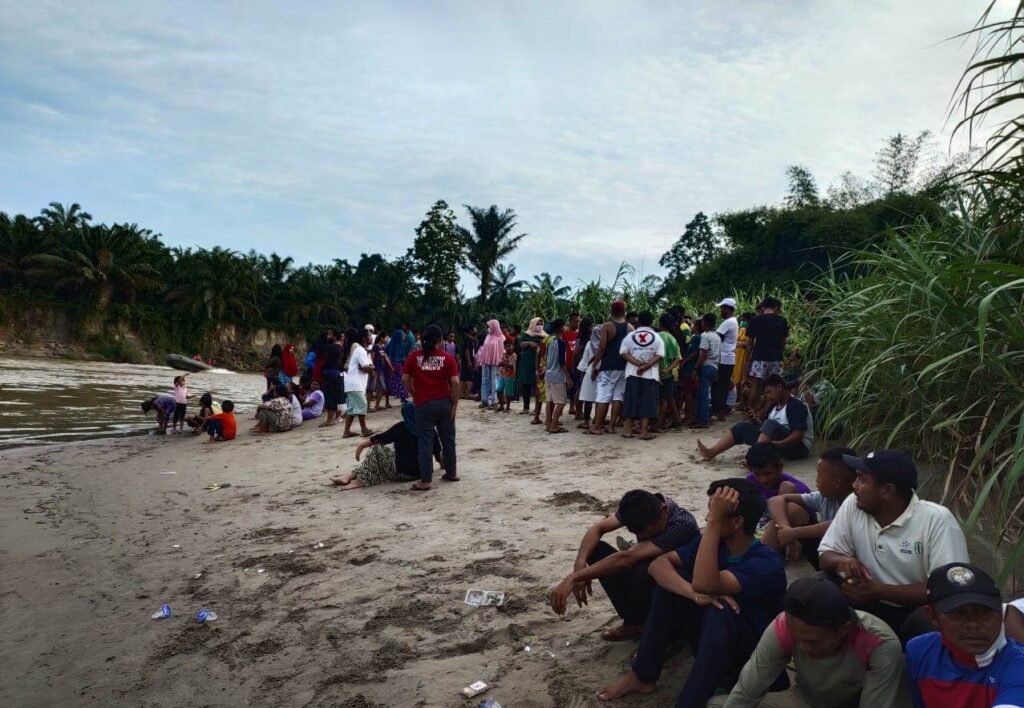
[374, 618]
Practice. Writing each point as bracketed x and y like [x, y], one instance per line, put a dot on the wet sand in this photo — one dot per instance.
[373, 618]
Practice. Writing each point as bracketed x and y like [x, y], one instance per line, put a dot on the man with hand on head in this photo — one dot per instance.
[884, 542]
[969, 662]
[843, 658]
[660, 526]
[719, 592]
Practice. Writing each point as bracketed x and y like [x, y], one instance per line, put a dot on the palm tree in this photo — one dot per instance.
[57, 217]
[276, 270]
[20, 239]
[215, 286]
[100, 261]
[490, 240]
[550, 284]
[505, 288]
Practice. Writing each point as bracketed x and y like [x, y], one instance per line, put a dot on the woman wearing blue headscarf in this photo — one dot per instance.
[385, 463]
[397, 350]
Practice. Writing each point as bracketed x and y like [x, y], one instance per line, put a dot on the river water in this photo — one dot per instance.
[54, 400]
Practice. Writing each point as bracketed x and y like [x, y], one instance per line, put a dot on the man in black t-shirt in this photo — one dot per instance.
[766, 336]
[334, 383]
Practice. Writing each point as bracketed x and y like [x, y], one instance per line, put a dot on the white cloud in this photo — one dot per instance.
[327, 131]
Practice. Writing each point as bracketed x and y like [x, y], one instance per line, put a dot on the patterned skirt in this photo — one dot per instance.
[395, 387]
[378, 467]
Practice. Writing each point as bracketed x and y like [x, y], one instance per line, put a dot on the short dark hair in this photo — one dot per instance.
[835, 455]
[775, 380]
[280, 390]
[638, 509]
[763, 455]
[645, 318]
[227, 406]
[557, 324]
[574, 313]
[751, 505]
[667, 321]
[772, 302]
[631, 313]
[709, 319]
[147, 406]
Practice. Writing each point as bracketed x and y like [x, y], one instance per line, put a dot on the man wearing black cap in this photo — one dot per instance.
[969, 662]
[885, 541]
[843, 658]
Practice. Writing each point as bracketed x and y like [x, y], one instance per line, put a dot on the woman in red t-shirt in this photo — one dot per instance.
[431, 375]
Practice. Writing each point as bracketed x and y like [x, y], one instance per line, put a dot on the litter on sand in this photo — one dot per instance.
[214, 486]
[474, 689]
[484, 598]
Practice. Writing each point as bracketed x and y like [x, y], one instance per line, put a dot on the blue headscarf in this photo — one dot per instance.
[409, 416]
[396, 347]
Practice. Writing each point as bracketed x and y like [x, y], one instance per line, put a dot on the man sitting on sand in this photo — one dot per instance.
[970, 662]
[884, 541]
[787, 425]
[842, 658]
[719, 592]
[660, 525]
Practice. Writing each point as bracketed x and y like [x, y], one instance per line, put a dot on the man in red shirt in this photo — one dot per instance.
[431, 375]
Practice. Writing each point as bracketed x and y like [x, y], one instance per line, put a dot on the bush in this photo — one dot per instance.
[924, 343]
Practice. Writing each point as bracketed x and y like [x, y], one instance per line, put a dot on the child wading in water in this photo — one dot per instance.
[507, 377]
[180, 404]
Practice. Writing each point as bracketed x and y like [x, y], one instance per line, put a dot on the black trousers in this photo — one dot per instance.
[721, 641]
[629, 591]
[721, 390]
[431, 416]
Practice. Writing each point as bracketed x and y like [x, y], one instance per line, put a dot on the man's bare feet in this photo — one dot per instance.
[624, 632]
[626, 685]
[705, 453]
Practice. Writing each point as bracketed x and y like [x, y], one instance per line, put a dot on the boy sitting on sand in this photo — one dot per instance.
[222, 426]
[792, 528]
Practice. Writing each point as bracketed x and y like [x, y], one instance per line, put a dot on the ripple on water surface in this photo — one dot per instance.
[51, 400]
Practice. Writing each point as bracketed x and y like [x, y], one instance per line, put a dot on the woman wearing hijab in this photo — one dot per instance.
[289, 364]
[590, 338]
[529, 345]
[386, 464]
[489, 357]
[396, 353]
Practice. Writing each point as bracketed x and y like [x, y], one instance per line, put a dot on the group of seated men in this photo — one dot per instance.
[896, 616]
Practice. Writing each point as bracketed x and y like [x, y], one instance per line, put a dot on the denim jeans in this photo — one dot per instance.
[488, 384]
[705, 379]
[215, 428]
[434, 415]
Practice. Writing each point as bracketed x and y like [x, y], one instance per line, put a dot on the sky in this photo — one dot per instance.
[326, 130]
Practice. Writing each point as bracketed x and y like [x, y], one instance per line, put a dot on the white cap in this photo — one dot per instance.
[369, 328]
[728, 302]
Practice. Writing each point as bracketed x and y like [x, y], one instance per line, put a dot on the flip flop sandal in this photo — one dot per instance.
[446, 478]
[417, 488]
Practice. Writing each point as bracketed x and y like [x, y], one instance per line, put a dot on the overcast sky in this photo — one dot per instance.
[325, 129]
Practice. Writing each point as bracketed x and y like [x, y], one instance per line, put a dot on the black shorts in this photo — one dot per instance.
[641, 398]
[179, 412]
[668, 389]
[334, 392]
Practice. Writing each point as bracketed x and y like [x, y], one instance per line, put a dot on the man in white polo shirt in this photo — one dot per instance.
[885, 541]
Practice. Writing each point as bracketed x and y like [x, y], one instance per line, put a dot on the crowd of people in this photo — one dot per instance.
[894, 614]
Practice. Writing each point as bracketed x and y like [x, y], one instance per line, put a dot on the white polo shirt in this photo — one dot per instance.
[926, 536]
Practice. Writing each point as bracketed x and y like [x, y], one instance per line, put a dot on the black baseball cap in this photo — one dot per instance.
[957, 584]
[887, 466]
[818, 601]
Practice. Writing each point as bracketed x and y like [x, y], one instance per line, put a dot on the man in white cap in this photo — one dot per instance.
[729, 330]
[372, 332]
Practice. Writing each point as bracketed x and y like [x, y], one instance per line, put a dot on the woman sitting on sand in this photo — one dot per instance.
[384, 464]
[275, 415]
[205, 411]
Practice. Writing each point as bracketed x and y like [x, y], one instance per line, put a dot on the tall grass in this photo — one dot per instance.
[926, 350]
